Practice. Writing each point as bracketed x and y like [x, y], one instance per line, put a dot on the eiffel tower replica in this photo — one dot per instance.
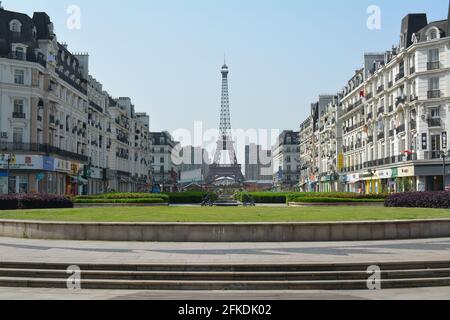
[220, 173]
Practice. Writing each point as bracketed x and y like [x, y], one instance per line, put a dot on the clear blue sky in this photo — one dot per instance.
[166, 54]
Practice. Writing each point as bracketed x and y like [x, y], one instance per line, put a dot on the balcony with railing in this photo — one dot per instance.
[434, 94]
[18, 115]
[370, 139]
[399, 76]
[369, 96]
[369, 116]
[413, 125]
[380, 111]
[27, 57]
[391, 133]
[381, 136]
[432, 155]
[400, 100]
[41, 148]
[391, 109]
[412, 70]
[435, 65]
[434, 122]
[390, 84]
[380, 88]
[401, 129]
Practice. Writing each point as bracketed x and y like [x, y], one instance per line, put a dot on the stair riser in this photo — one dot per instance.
[216, 268]
[211, 277]
[361, 285]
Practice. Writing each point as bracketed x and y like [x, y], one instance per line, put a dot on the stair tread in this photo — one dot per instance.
[56, 280]
[274, 273]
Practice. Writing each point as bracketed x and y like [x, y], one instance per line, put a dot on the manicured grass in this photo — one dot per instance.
[227, 215]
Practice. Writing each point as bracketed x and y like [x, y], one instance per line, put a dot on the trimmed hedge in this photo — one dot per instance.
[189, 197]
[120, 201]
[34, 201]
[284, 197]
[123, 196]
[334, 200]
[433, 200]
[263, 197]
[173, 198]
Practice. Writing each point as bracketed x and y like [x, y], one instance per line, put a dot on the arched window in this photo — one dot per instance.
[15, 26]
[433, 33]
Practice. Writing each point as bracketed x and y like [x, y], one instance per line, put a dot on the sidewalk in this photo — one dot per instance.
[442, 293]
[73, 252]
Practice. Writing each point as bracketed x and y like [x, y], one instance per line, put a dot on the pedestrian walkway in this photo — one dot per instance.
[442, 293]
[20, 250]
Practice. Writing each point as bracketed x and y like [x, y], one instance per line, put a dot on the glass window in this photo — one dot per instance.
[15, 26]
[435, 113]
[19, 77]
[433, 55]
[434, 83]
[17, 135]
[23, 184]
[18, 106]
[12, 184]
[433, 35]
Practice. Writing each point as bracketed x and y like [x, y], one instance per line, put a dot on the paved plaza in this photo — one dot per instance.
[21, 250]
[72, 252]
[442, 293]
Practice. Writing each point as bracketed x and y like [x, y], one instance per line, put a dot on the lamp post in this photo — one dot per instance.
[9, 158]
[372, 174]
[444, 167]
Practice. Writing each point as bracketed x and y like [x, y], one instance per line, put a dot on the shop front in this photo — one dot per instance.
[70, 177]
[26, 174]
[406, 180]
[354, 183]
[371, 183]
[387, 180]
[96, 184]
[431, 177]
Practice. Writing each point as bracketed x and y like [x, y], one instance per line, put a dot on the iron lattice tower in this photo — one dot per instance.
[225, 142]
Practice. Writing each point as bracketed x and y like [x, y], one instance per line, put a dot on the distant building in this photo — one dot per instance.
[285, 161]
[194, 166]
[258, 163]
[166, 170]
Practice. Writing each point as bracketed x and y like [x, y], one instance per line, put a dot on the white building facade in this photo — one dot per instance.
[55, 117]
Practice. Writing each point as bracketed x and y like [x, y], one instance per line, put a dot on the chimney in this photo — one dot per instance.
[410, 25]
[448, 21]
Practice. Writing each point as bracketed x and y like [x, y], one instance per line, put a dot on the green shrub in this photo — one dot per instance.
[121, 201]
[189, 197]
[264, 197]
[123, 196]
[334, 200]
[284, 197]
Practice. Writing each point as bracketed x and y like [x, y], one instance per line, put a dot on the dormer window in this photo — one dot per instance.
[19, 53]
[15, 26]
[433, 34]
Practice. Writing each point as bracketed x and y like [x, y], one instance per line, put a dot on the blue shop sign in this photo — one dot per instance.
[48, 164]
[3, 174]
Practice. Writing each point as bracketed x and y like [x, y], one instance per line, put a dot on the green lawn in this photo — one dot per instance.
[198, 214]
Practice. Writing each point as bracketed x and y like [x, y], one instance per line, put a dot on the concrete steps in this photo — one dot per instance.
[226, 277]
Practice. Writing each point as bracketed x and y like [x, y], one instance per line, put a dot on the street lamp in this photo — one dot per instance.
[9, 158]
[444, 156]
[372, 174]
